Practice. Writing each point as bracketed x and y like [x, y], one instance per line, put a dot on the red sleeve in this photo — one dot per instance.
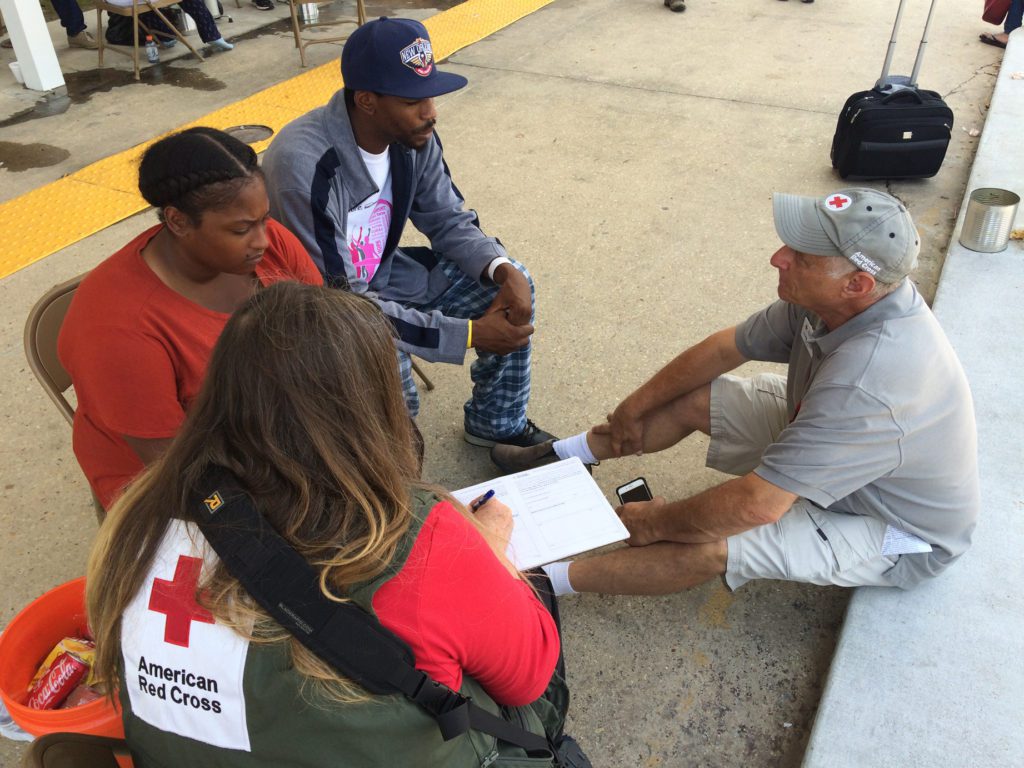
[138, 399]
[462, 612]
[293, 258]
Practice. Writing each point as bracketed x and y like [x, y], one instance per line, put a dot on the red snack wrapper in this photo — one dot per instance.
[83, 694]
[64, 674]
[82, 648]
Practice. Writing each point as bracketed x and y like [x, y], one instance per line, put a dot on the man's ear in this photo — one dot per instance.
[366, 101]
[859, 285]
[177, 221]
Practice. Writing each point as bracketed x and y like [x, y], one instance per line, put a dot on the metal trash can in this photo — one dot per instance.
[989, 219]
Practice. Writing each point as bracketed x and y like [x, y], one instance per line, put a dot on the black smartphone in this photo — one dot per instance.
[634, 490]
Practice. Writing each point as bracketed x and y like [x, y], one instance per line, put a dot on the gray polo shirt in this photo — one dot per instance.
[881, 421]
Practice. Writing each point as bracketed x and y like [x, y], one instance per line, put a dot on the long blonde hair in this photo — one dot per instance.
[303, 403]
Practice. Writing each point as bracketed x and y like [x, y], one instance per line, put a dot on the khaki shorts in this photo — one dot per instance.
[808, 543]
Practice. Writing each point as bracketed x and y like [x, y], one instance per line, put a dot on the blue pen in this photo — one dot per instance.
[482, 500]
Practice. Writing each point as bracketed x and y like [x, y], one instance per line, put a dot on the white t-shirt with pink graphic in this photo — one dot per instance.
[369, 222]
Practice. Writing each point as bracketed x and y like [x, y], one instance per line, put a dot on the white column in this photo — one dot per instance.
[32, 44]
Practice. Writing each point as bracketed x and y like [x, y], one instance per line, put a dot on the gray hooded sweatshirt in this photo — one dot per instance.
[315, 176]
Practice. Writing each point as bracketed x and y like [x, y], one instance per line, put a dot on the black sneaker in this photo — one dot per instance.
[263, 5]
[516, 458]
[531, 435]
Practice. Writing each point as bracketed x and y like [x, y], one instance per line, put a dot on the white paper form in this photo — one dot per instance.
[558, 511]
[899, 542]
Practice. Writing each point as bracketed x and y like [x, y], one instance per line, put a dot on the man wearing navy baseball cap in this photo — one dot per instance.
[858, 467]
[346, 177]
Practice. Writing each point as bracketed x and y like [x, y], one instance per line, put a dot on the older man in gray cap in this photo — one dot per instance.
[857, 468]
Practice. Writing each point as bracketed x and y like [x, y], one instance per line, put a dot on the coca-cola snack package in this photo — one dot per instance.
[66, 672]
[83, 649]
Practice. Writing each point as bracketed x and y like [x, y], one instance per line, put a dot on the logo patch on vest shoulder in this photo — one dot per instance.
[419, 57]
[215, 502]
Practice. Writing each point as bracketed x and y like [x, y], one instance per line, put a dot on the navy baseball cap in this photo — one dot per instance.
[394, 57]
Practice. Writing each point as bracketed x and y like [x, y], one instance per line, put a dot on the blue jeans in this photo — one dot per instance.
[501, 383]
[71, 17]
[200, 14]
[1013, 16]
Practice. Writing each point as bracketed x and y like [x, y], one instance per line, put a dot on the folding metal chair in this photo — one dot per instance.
[133, 9]
[302, 42]
[41, 332]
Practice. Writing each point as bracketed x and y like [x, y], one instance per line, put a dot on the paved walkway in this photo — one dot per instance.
[932, 677]
[628, 155]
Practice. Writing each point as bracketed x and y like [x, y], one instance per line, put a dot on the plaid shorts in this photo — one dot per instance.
[501, 383]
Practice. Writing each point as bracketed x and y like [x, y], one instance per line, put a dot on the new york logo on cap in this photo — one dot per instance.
[419, 57]
[838, 202]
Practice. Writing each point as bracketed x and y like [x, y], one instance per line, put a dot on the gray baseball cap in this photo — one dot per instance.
[871, 229]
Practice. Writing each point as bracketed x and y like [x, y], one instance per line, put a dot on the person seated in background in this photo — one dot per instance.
[347, 177]
[857, 468]
[140, 328]
[303, 406]
[73, 20]
[1014, 16]
[200, 14]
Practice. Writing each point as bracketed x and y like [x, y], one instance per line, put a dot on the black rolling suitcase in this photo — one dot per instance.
[896, 130]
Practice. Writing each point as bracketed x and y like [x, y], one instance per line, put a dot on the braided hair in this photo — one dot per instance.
[195, 170]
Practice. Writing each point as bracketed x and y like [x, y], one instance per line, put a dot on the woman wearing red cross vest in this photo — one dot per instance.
[303, 405]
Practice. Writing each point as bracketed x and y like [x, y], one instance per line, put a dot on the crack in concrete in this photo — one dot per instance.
[592, 81]
[985, 69]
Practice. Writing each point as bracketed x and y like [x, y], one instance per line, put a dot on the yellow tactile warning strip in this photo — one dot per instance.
[105, 192]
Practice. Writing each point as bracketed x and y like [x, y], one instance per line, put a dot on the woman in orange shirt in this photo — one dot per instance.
[138, 334]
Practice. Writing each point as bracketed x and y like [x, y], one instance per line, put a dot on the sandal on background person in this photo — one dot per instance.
[991, 38]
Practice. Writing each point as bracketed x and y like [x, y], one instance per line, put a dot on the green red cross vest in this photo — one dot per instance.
[197, 694]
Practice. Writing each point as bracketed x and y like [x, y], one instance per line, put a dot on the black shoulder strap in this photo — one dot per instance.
[342, 634]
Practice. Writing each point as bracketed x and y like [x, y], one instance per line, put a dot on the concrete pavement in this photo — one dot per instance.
[627, 155]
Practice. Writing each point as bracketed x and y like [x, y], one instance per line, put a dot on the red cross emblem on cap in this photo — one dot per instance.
[177, 601]
[838, 202]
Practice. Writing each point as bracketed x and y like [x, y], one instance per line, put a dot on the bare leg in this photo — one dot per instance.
[657, 569]
[666, 426]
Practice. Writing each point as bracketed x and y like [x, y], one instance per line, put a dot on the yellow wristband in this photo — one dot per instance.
[469, 335]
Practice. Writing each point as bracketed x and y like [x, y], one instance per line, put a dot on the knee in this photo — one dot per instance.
[676, 567]
[525, 273]
[693, 410]
[705, 560]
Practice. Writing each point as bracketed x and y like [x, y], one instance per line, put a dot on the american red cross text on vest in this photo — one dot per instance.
[838, 202]
[177, 600]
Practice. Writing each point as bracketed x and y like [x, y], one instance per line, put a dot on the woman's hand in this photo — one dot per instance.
[496, 520]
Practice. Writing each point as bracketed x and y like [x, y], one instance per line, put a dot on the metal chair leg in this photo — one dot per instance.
[419, 372]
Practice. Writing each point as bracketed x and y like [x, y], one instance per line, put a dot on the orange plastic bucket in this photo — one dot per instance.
[25, 644]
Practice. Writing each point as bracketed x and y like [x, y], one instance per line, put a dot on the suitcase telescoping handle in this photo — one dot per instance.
[883, 80]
